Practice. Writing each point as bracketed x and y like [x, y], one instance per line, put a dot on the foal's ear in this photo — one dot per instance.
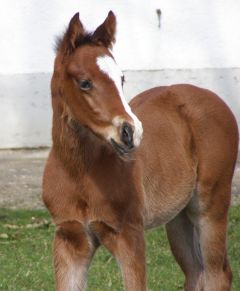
[73, 35]
[105, 33]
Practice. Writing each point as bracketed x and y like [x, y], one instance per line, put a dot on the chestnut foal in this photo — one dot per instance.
[105, 181]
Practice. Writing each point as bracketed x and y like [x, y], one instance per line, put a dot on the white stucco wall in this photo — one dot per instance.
[198, 42]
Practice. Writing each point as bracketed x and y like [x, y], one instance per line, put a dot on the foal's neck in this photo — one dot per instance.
[76, 146]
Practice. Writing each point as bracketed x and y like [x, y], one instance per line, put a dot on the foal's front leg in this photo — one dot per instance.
[73, 251]
[130, 254]
[128, 247]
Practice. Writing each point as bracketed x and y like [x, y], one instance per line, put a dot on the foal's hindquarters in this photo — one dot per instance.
[188, 168]
[180, 176]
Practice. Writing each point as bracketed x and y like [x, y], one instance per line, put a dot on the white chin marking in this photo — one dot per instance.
[109, 67]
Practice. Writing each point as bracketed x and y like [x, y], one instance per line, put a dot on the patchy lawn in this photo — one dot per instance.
[26, 262]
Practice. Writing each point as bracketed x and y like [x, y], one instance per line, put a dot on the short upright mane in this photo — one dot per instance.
[80, 41]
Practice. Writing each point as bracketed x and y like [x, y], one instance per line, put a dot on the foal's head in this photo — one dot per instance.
[91, 83]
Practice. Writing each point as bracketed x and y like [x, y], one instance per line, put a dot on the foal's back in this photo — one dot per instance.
[190, 142]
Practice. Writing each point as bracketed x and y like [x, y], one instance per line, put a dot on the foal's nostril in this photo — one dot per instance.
[127, 135]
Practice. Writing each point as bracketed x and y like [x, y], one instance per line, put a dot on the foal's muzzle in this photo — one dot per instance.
[126, 138]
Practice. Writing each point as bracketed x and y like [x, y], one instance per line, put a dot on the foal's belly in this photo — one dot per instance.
[163, 207]
[166, 193]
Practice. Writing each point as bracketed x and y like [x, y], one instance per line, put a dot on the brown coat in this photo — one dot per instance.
[180, 175]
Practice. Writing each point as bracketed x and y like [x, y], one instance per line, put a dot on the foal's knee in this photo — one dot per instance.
[219, 278]
[71, 238]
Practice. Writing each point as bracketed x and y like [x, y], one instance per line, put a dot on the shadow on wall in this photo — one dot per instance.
[26, 102]
[26, 110]
[224, 82]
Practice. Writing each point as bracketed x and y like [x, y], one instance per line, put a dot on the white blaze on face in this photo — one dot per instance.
[108, 66]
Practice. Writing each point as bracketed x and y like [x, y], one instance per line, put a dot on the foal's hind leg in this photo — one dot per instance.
[183, 240]
[213, 203]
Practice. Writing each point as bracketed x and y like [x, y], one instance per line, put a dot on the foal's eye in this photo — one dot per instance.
[85, 85]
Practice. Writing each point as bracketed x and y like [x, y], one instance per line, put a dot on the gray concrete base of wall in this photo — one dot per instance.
[26, 104]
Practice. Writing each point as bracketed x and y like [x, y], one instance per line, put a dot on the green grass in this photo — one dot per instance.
[26, 262]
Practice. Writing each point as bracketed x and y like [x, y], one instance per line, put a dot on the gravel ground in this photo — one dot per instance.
[21, 178]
